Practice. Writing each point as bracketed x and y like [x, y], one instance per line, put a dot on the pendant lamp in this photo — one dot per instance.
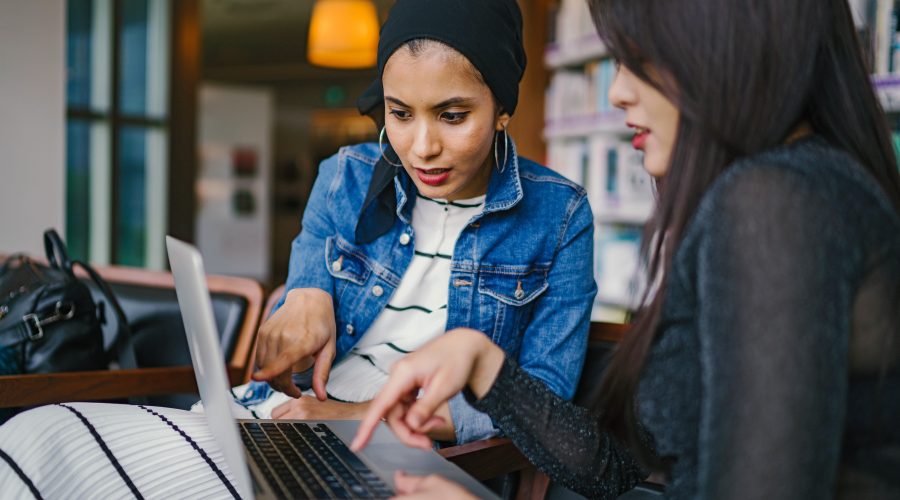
[343, 34]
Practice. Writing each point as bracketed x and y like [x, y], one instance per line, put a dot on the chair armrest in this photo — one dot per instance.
[487, 458]
[48, 388]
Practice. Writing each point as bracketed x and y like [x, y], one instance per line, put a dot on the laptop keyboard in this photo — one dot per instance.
[304, 461]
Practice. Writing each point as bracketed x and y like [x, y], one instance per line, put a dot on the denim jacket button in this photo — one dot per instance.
[349, 329]
[336, 266]
[377, 291]
[404, 239]
[519, 294]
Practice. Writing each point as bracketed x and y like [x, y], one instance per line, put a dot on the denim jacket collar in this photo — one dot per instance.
[504, 188]
[504, 191]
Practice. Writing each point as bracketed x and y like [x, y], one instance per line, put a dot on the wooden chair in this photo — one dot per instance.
[236, 301]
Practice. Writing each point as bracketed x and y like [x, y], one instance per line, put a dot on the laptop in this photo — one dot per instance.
[288, 458]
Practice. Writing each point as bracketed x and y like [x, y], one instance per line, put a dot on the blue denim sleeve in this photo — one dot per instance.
[555, 341]
[470, 424]
[307, 265]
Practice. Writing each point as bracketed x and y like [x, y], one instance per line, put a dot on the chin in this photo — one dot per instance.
[442, 192]
[655, 167]
[431, 192]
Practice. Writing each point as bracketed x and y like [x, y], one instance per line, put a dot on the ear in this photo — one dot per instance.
[502, 121]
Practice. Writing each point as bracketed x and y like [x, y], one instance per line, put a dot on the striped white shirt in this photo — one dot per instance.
[417, 311]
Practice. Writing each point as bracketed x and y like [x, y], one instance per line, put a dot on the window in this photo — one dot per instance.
[117, 130]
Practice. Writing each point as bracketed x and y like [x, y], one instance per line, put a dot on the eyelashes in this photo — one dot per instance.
[451, 117]
[454, 117]
[400, 114]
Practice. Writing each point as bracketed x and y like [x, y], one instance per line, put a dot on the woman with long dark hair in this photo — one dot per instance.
[765, 359]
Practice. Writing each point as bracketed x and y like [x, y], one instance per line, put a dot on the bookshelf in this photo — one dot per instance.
[878, 25]
[588, 142]
[584, 48]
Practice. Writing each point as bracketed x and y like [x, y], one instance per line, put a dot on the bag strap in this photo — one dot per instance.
[29, 328]
[123, 343]
[57, 255]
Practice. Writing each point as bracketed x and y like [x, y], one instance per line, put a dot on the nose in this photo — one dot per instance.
[621, 92]
[426, 143]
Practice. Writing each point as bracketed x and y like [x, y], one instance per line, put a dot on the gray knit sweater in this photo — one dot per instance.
[776, 373]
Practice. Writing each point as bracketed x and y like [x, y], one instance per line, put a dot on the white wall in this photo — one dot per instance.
[233, 118]
[32, 122]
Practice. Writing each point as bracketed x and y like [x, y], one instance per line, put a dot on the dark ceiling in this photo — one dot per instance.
[264, 41]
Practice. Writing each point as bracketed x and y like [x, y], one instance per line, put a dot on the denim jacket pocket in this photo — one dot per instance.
[346, 262]
[507, 299]
[513, 285]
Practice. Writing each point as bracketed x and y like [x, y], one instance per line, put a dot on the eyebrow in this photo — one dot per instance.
[453, 101]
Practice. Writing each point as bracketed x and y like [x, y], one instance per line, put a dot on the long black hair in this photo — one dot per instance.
[743, 74]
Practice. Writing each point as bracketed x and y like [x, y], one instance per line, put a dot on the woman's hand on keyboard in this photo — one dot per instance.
[439, 370]
[302, 330]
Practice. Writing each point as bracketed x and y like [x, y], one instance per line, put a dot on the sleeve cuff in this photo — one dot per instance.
[470, 424]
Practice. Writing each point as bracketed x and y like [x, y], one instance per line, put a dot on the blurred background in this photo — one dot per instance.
[125, 120]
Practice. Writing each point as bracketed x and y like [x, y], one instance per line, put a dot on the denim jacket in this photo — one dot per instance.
[521, 271]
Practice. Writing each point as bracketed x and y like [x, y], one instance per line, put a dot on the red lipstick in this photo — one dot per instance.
[433, 176]
[639, 140]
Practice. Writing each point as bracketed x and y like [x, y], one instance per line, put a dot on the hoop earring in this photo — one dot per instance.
[501, 168]
[381, 148]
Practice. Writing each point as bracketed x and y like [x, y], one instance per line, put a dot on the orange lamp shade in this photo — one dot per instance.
[343, 34]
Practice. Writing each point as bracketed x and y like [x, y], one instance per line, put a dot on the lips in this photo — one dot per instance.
[433, 176]
[639, 140]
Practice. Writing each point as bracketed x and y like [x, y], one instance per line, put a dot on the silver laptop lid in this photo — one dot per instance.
[206, 356]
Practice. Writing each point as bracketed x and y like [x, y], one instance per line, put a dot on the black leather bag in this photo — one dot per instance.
[49, 321]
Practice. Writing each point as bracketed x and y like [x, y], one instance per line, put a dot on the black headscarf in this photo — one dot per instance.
[487, 32]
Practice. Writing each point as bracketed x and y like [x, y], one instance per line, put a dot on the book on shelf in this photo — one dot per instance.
[616, 259]
[609, 169]
[878, 25]
[619, 189]
[573, 25]
[580, 92]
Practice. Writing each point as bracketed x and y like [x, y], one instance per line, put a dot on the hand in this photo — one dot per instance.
[312, 409]
[441, 368]
[301, 332]
[432, 486]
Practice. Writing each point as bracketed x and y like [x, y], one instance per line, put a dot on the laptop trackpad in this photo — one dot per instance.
[390, 457]
[387, 455]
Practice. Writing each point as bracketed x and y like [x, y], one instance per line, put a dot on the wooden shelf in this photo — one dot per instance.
[610, 122]
[887, 87]
[626, 213]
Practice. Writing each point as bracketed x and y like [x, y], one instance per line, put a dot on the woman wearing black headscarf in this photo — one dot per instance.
[453, 229]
